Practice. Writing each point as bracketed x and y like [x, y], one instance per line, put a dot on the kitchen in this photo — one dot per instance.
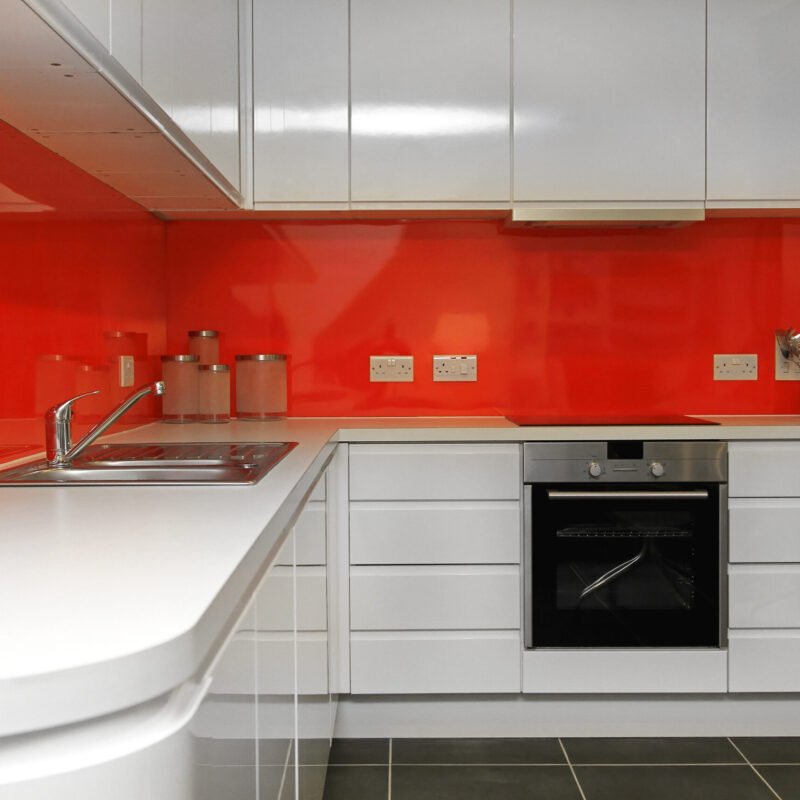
[586, 321]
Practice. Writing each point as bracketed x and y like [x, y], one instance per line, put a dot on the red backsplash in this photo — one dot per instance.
[561, 321]
[77, 260]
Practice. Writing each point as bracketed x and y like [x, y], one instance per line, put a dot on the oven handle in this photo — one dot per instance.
[688, 494]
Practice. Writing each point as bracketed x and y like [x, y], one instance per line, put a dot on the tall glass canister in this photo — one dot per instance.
[180, 376]
[261, 386]
[215, 393]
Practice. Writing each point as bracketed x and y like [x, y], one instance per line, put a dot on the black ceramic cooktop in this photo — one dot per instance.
[609, 419]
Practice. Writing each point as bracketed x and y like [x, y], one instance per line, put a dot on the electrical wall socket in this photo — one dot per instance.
[126, 376]
[455, 368]
[736, 367]
[785, 370]
[391, 369]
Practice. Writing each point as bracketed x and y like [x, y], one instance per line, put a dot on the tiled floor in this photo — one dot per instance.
[565, 769]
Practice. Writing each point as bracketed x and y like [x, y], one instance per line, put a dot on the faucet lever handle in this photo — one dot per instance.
[63, 411]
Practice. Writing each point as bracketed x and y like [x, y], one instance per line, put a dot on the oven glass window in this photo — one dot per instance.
[625, 572]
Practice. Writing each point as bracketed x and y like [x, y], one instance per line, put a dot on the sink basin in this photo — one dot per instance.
[154, 464]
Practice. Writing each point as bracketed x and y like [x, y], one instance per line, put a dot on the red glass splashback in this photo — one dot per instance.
[77, 260]
[581, 321]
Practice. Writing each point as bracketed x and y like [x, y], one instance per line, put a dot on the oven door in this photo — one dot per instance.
[631, 565]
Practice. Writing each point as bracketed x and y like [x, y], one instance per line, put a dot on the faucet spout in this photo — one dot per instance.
[58, 425]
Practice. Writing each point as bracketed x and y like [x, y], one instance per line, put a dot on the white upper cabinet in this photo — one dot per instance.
[430, 101]
[95, 15]
[190, 66]
[609, 100]
[753, 102]
[300, 97]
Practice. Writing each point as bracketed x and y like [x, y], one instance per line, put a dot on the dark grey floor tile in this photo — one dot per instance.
[477, 751]
[466, 782]
[651, 750]
[357, 783]
[359, 751]
[770, 749]
[672, 783]
[784, 780]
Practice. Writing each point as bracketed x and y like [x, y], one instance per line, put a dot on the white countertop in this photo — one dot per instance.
[114, 595]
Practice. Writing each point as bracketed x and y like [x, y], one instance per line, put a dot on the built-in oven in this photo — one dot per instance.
[625, 544]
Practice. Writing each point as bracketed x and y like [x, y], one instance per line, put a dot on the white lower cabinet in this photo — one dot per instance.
[764, 569]
[435, 568]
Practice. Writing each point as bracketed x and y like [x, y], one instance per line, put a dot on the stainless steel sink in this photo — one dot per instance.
[154, 464]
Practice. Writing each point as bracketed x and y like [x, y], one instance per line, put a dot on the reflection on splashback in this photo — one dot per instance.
[575, 321]
[83, 276]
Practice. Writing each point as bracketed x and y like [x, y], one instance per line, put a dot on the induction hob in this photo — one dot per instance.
[607, 419]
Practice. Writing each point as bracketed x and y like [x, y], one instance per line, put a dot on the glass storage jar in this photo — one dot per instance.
[214, 393]
[205, 345]
[261, 386]
[180, 375]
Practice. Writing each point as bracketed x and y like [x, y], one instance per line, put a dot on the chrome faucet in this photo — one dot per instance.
[58, 425]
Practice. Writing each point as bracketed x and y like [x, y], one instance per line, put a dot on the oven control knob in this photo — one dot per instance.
[656, 469]
[595, 470]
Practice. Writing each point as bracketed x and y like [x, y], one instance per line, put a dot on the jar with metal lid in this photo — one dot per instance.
[214, 393]
[180, 375]
[261, 386]
[205, 345]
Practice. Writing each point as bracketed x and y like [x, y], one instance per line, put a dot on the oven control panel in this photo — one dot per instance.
[625, 462]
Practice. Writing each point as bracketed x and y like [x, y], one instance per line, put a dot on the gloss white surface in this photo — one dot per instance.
[119, 593]
[430, 93]
[95, 15]
[609, 100]
[300, 98]
[753, 116]
[190, 65]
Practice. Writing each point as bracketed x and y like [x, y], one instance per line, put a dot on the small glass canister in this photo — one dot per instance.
[261, 386]
[180, 395]
[205, 345]
[215, 393]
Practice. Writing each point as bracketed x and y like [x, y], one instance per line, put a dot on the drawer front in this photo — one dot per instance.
[275, 663]
[764, 596]
[764, 661]
[459, 532]
[435, 472]
[608, 671]
[438, 662]
[309, 541]
[764, 469]
[425, 598]
[765, 530]
[274, 601]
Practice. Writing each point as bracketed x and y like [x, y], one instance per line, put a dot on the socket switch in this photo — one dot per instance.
[736, 367]
[126, 375]
[785, 370]
[391, 369]
[455, 368]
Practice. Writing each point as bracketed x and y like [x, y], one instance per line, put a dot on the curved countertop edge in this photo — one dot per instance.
[46, 699]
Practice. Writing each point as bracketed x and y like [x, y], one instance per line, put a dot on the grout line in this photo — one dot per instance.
[390, 768]
[571, 768]
[747, 760]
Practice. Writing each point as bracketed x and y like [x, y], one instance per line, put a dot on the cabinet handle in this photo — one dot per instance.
[688, 494]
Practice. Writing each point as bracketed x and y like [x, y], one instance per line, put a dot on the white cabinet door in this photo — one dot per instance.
[764, 529]
[764, 469]
[753, 102]
[455, 532]
[609, 100]
[429, 597]
[764, 595]
[190, 66]
[95, 15]
[438, 662]
[300, 99]
[764, 661]
[435, 472]
[430, 100]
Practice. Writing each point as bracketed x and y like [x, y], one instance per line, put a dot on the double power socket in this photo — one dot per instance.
[400, 369]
